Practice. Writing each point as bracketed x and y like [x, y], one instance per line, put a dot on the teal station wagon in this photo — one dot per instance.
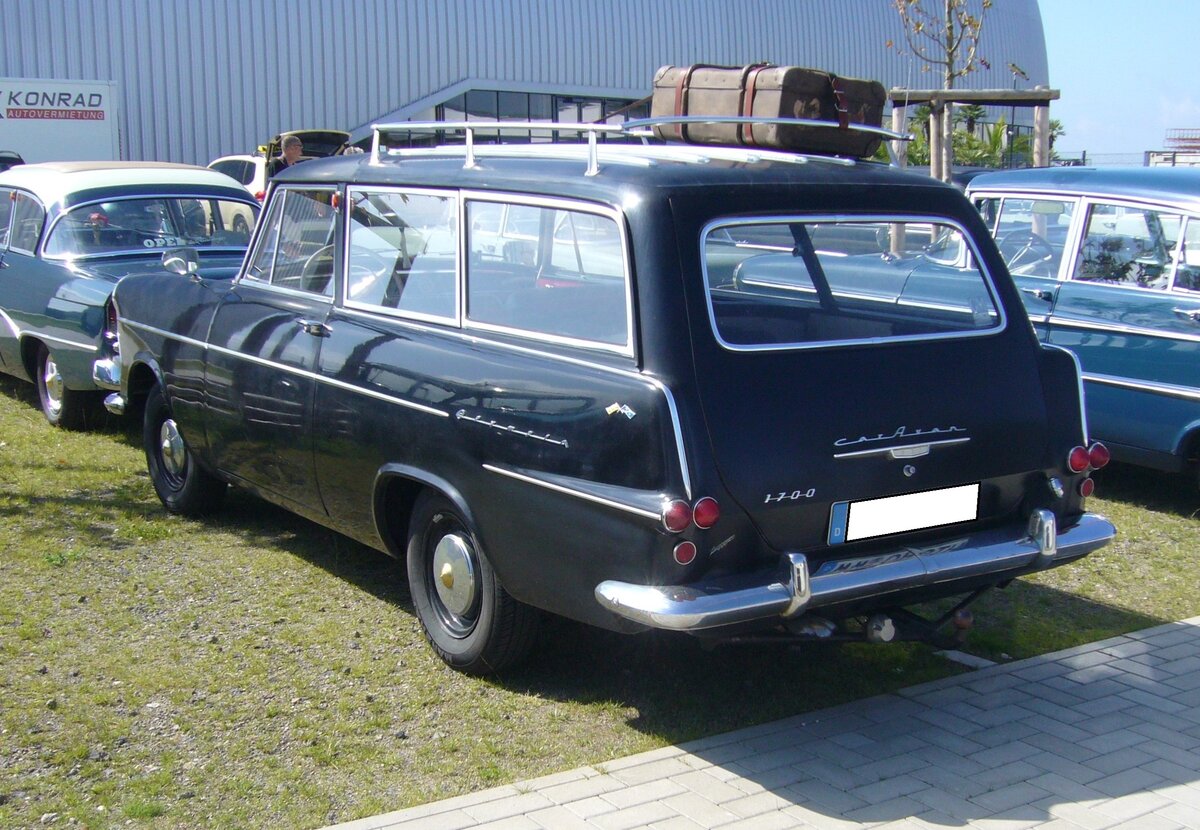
[1108, 265]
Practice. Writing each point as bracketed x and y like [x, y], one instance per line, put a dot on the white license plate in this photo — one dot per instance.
[853, 521]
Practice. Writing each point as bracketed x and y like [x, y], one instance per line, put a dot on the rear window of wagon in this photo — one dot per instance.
[794, 282]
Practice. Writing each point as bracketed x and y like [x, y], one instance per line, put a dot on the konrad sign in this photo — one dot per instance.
[46, 120]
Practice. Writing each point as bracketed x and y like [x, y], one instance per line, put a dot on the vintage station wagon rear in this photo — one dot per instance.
[713, 390]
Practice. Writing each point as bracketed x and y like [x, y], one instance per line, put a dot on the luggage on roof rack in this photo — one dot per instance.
[765, 91]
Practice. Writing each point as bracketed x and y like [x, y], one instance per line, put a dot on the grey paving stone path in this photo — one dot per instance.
[1099, 736]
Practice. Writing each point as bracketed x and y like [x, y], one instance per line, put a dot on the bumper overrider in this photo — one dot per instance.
[767, 595]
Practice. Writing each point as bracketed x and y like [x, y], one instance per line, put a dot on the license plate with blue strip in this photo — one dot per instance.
[852, 521]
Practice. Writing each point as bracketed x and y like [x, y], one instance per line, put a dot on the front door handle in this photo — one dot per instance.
[1044, 294]
[315, 327]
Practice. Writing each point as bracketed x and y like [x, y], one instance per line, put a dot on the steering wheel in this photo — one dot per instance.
[317, 270]
[1022, 250]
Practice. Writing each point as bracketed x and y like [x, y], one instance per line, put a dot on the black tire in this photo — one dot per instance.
[63, 407]
[182, 485]
[470, 620]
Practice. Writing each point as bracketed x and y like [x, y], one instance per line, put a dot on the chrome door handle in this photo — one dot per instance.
[315, 327]
[1192, 314]
[1044, 294]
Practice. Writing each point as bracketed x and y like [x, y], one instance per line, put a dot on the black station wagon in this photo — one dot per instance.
[736, 393]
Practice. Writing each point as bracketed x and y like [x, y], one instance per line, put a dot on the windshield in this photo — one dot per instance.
[796, 282]
[142, 225]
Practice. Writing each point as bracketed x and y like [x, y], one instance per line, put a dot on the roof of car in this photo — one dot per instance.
[54, 182]
[1172, 184]
[561, 169]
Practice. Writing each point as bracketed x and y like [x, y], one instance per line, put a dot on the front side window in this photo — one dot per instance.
[799, 282]
[1187, 274]
[402, 252]
[555, 272]
[296, 248]
[1032, 234]
[1130, 246]
[26, 222]
[150, 225]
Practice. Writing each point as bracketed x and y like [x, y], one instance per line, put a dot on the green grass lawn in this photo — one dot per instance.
[255, 670]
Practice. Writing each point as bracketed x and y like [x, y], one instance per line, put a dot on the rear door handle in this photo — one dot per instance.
[1192, 314]
[1044, 294]
[315, 327]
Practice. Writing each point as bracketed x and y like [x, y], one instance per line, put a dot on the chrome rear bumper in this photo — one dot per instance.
[761, 596]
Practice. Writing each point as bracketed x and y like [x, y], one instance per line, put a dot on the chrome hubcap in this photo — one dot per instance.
[53, 383]
[454, 574]
[172, 449]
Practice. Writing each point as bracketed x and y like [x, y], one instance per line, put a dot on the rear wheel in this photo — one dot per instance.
[181, 485]
[63, 407]
[468, 617]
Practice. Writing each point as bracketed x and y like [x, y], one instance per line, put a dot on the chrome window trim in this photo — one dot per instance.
[294, 370]
[579, 206]
[579, 494]
[985, 274]
[1169, 390]
[1114, 328]
[61, 215]
[455, 196]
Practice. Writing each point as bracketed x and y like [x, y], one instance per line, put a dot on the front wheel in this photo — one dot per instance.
[469, 619]
[181, 485]
[63, 407]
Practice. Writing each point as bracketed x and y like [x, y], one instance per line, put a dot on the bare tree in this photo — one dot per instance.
[945, 35]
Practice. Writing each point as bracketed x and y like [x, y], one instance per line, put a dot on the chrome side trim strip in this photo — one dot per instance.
[579, 494]
[1169, 390]
[304, 373]
[1134, 331]
[677, 429]
[1087, 435]
[12, 326]
[765, 596]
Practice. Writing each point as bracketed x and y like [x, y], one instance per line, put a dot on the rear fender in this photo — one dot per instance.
[397, 487]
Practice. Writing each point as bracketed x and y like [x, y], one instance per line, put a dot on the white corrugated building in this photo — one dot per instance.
[198, 79]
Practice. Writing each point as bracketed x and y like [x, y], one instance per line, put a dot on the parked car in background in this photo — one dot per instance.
[733, 392]
[69, 231]
[251, 171]
[9, 159]
[1108, 263]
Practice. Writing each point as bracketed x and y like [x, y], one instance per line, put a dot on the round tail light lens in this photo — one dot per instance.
[685, 552]
[1078, 460]
[1098, 455]
[677, 516]
[1087, 487]
[706, 512]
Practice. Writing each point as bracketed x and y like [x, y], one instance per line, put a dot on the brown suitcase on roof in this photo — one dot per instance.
[766, 91]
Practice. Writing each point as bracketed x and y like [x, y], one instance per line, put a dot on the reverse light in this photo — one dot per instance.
[676, 516]
[705, 513]
[1098, 455]
[685, 552]
[1078, 460]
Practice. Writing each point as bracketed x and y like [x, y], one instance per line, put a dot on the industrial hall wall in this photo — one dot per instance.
[202, 78]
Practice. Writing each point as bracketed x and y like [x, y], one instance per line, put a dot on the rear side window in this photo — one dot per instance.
[6, 206]
[27, 217]
[555, 272]
[803, 282]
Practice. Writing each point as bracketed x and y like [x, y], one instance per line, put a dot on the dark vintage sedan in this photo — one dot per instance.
[1108, 264]
[741, 394]
[69, 232]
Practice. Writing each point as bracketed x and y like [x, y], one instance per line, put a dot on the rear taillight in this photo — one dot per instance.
[1078, 460]
[677, 515]
[1087, 487]
[110, 319]
[260, 195]
[706, 512]
[685, 552]
[1098, 456]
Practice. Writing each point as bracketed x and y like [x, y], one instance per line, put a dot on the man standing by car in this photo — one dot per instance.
[291, 147]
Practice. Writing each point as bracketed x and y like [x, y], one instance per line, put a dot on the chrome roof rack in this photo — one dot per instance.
[637, 128]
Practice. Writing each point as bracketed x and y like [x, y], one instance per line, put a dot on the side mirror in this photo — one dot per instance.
[182, 261]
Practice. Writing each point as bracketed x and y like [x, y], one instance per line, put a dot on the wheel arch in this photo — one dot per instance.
[144, 375]
[397, 488]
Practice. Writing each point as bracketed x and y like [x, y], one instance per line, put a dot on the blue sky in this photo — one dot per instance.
[1125, 69]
